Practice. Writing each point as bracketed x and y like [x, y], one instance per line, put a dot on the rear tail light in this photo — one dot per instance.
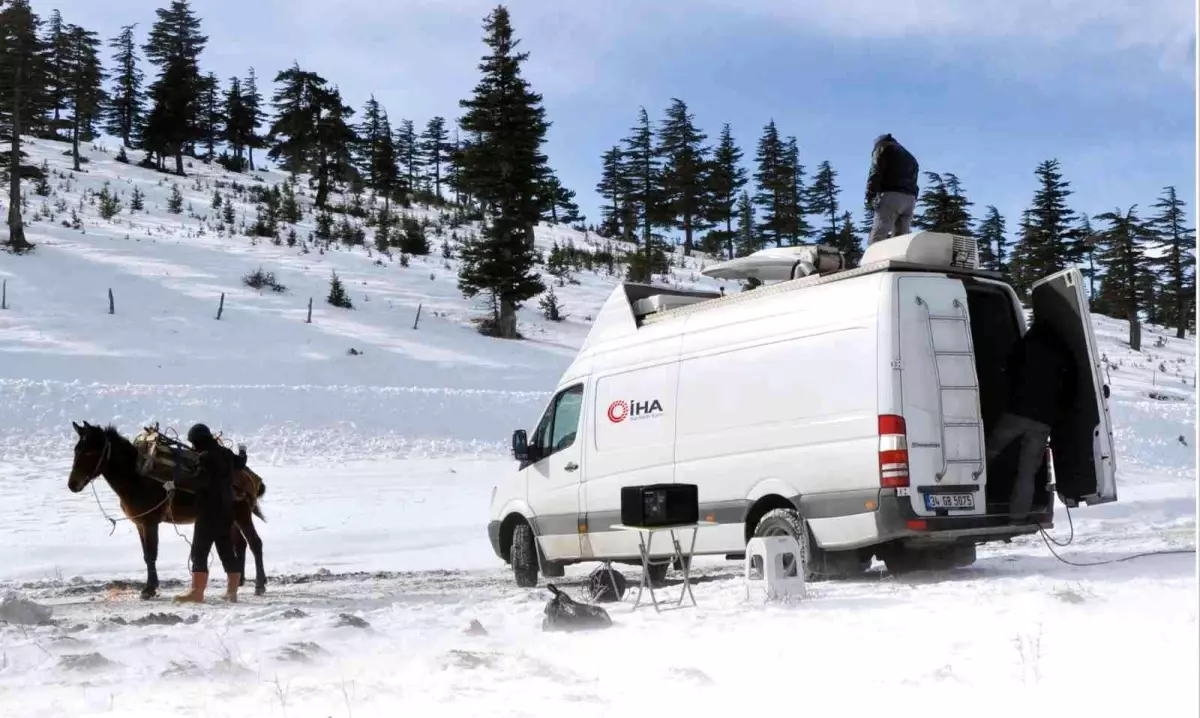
[893, 452]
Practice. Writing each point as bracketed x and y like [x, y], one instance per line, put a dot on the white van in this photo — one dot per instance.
[848, 409]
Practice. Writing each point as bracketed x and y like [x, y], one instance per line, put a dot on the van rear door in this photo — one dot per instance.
[1082, 445]
[940, 398]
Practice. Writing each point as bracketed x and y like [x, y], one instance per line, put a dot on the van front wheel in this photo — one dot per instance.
[788, 522]
[524, 556]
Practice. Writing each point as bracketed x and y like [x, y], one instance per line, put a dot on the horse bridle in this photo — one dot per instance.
[105, 453]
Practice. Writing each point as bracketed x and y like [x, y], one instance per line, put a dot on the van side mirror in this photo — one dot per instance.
[520, 445]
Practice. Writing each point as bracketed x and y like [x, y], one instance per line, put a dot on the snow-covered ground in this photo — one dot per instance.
[379, 467]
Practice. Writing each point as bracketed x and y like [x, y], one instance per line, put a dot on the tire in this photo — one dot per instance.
[524, 556]
[788, 522]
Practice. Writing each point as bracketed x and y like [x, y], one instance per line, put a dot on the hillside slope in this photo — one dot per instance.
[261, 373]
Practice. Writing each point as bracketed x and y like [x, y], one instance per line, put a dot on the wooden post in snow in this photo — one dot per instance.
[4, 295]
[418, 319]
[221, 307]
[309, 320]
[112, 307]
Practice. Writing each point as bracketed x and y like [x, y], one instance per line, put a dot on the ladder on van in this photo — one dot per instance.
[956, 342]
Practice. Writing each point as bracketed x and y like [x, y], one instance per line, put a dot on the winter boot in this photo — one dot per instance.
[196, 595]
[231, 587]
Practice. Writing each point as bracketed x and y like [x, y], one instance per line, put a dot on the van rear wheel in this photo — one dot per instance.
[788, 522]
[524, 556]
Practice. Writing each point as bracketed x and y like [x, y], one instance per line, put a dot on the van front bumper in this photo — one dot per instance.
[494, 537]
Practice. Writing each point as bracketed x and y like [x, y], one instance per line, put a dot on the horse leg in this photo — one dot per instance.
[246, 522]
[148, 532]
[239, 549]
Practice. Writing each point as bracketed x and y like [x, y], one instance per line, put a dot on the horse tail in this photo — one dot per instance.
[257, 511]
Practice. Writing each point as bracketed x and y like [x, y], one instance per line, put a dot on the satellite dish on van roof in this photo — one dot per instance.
[779, 264]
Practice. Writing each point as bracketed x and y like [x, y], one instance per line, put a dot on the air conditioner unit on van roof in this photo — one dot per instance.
[928, 248]
[780, 264]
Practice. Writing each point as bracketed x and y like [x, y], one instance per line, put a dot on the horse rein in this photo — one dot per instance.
[105, 454]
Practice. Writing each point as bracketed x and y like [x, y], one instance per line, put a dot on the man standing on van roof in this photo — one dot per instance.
[1041, 381]
[891, 188]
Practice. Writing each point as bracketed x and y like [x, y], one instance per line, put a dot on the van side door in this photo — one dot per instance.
[556, 451]
[1082, 444]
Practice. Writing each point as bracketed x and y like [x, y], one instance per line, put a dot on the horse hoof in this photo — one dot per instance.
[260, 590]
[149, 593]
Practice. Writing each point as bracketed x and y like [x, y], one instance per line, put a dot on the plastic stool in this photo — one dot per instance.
[774, 568]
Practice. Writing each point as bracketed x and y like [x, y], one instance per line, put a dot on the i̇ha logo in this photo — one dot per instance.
[620, 410]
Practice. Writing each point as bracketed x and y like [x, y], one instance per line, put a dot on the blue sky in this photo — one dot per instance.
[985, 89]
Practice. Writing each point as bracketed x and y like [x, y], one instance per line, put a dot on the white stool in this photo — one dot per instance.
[774, 568]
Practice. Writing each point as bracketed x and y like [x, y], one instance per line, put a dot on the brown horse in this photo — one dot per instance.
[144, 501]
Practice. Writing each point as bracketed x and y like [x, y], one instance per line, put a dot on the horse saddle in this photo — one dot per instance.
[165, 459]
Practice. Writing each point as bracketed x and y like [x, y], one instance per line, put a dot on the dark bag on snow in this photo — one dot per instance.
[601, 585]
[563, 613]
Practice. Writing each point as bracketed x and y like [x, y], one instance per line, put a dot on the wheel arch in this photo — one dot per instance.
[507, 527]
[760, 508]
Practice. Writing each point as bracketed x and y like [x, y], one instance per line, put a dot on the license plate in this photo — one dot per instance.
[949, 501]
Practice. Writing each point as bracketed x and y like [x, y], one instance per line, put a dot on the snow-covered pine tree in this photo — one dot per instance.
[337, 293]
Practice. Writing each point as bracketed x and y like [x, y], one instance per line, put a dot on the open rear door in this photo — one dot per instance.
[1082, 445]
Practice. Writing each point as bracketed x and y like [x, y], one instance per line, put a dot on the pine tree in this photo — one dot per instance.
[237, 125]
[369, 134]
[21, 76]
[85, 94]
[337, 294]
[795, 224]
[612, 188]
[174, 47]
[685, 171]
[1177, 245]
[1124, 261]
[551, 307]
[293, 134]
[408, 150]
[137, 200]
[773, 185]
[1047, 241]
[384, 167]
[822, 201]
[252, 100]
[726, 180]
[644, 173]
[59, 54]
[847, 242]
[212, 119]
[175, 201]
[1087, 245]
[991, 241]
[435, 151]
[501, 165]
[335, 138]
[560, 206]
[126, 109]
[748, 240]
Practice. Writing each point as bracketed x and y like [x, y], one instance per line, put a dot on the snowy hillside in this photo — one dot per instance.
[260, 373]
[379, 467]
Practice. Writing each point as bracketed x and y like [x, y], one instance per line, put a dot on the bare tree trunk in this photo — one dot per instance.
[506, 322]
[16, 228]
[179, 161]
[250, 149]
[75, 142]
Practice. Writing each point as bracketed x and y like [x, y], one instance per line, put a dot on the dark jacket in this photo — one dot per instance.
[213, 480]
[893, 169]
[1042, 376]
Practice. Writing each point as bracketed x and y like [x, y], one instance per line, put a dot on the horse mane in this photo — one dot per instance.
[114, 436]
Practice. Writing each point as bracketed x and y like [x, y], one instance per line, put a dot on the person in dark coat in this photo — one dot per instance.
[891, 188]
[1041, 374]
[213, 485]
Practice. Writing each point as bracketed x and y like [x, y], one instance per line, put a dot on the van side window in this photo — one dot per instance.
[556, 431]
[567, 408]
